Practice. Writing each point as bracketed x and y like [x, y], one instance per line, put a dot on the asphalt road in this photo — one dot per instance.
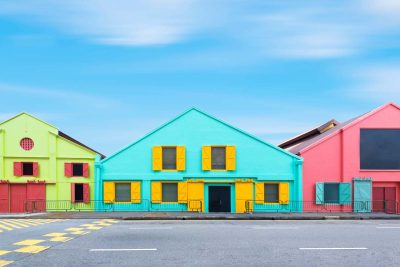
[206, 243]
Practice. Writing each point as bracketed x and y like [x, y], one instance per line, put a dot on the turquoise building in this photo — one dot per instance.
[196, 162]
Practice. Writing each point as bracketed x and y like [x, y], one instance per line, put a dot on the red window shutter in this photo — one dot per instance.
[73, 193]
[68, 169]
[86, 193]
[35, 169]
[85, 169]
[17, 168]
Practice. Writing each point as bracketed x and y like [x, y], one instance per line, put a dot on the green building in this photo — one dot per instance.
[41, 168]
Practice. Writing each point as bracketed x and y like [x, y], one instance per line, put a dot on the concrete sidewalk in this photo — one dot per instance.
[202, 216]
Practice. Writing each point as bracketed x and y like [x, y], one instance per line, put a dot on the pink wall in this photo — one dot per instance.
[337, 159]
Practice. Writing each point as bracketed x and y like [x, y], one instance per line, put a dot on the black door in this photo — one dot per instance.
[219, 198]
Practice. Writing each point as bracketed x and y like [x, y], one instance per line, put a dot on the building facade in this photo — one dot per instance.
[42, 168]
[352, 166]
[198, 163]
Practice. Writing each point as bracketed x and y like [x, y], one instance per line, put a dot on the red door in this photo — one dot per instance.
[3, 197]
[17, 197]
[384, 199]
[390, 200]
[378, 195]
[36, 197]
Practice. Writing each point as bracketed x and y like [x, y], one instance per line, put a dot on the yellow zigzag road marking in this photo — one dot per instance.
[29, 242]
[12, 224]
[31, 249]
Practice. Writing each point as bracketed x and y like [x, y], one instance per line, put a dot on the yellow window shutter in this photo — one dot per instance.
[156, 192]
[182, 192]
[157, 158]
[259, 193]
[244, 196]
[206, 158]
[283, 193]
[109, 192]
[230, 158]
[135, 192]
[180, 158]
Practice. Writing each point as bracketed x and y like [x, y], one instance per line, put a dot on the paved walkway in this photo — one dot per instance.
[204, 216]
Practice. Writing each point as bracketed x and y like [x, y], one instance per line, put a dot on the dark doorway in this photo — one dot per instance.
[78, 192]
[219, 199]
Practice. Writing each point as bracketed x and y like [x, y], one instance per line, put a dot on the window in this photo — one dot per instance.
[331, 193]
[380, 149]
[169, 192]
[78, 192]
[123, 192]
[26, 144]
[271, 193]
[27, 168]
[77, 169]
[218, 158]
[169, 158]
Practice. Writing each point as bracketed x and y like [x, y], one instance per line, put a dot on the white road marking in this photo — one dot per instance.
[333, 248]
[150, 228]
[388, 227]
[275, 227]
[122, 249]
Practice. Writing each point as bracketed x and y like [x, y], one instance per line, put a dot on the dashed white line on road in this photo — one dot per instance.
[275, 228]
[122, 249]
[150, 228]
[333, 248]
[388, 227]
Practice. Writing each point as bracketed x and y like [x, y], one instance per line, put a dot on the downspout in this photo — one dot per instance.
[98, 183]
[299, 193]
[342, 208]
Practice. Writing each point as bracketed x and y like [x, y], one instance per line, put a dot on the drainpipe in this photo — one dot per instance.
[299, 180]
[98, 183]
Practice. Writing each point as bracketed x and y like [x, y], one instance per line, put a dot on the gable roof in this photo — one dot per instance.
[29, 115]
[307, 144]
[309, 134]
[61, 134]
[210, 117]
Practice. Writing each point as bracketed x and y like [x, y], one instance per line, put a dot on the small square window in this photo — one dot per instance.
[218, 158]
[170, 192]
[271, 193]
[27, 168]
[331, 193]
[123, 192]
[77, 169]
[78, 192]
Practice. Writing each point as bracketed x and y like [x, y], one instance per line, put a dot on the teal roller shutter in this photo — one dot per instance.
[319, 193]
[345, 193]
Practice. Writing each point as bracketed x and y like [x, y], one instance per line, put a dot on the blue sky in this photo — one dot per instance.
[108, 72]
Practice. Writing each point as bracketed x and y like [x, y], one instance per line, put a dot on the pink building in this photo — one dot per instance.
[352, 166]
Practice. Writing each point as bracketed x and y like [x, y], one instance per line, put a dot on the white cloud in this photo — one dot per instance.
[290, 29]
[120, 22]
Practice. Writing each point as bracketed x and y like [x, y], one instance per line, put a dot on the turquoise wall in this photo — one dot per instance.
[193, 129]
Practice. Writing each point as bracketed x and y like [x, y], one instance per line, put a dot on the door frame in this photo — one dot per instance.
[206, 197]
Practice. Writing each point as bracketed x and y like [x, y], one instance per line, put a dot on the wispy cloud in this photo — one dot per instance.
[121, 22]
[289, 29]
